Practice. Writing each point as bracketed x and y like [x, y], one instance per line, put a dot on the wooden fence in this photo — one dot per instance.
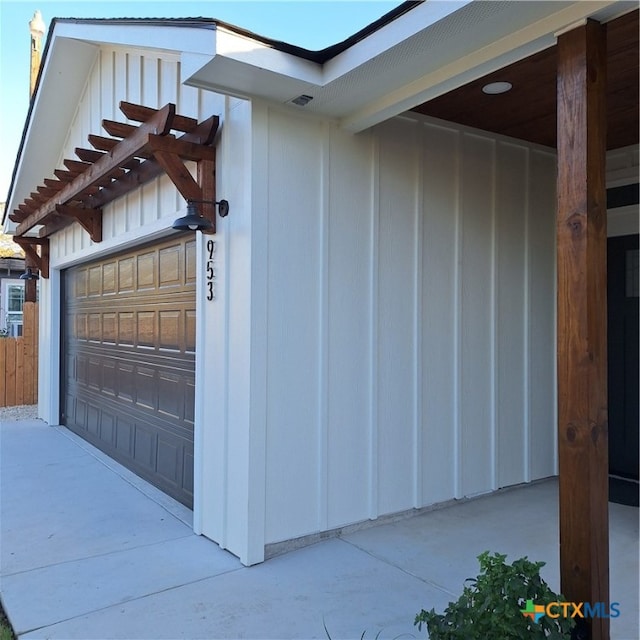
[19, 362]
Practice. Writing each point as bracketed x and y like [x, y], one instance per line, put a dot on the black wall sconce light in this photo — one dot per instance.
[194, 221]
[29, 275]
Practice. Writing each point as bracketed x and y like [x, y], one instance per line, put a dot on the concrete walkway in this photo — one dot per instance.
[89, 551]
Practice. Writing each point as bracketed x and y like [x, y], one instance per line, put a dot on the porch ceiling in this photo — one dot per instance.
[528, 111]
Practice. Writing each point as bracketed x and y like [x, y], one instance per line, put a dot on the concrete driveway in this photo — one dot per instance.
[90, 551]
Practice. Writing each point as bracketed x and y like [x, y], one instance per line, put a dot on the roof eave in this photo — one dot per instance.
[436, 47]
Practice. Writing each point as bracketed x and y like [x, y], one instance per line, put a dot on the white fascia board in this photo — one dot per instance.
[395, 33]
[504, 51]
[240, 80]
[63, 79]
[262, 56]
[289, 75]
[241, 66]
[172, 38]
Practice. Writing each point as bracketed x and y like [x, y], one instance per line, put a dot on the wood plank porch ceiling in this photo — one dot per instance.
[117, 165]
[528, 111]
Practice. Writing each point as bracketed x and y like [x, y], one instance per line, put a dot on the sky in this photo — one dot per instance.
[312, 24]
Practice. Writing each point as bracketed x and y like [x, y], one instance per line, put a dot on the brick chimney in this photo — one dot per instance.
[37, 29]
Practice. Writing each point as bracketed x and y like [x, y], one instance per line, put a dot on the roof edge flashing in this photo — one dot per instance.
[253, 53]
[160, 35]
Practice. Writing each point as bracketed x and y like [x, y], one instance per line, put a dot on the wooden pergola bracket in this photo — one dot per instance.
[189, 189]
[34, 259]
[174, 167]
[118, 165]
[89, 219]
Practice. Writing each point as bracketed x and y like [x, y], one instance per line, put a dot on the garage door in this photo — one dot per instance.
[129, 360]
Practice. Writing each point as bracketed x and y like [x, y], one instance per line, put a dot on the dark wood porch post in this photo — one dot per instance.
[582, 320]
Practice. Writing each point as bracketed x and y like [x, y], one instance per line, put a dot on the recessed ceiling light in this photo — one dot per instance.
[493, 88]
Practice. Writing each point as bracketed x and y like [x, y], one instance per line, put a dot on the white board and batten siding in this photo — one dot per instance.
[222, 452]
[144, 77]
[382, 336]
[409, 309]
[140, 77]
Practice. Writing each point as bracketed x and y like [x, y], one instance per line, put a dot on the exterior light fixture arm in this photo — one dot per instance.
[223, 205]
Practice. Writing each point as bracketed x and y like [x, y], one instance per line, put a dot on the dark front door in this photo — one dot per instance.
[622, 291]
[128, 360]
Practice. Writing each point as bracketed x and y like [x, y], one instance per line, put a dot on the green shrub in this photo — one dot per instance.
[490, 607]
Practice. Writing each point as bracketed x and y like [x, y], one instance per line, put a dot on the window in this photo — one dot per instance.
[15, 298]
[15, 301]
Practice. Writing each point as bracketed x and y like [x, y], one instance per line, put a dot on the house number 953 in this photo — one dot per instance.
[211, 270]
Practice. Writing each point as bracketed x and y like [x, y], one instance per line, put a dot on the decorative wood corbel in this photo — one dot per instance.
[89, 219]
[34, 259]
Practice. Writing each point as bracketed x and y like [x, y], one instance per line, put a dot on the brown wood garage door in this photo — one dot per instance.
[129, 360]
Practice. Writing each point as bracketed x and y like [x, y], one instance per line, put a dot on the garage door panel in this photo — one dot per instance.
[129, 360]
[93, 420]
[109, 278]
[189, 408]
[109, 378]
[126, 268]
[124, 437]
[146, 388]
[94, 378]
[144, 446]
[95, 281]
[125, 381]
[81, 326]
[125, 328]
[170, 267]
[147, 330]
[187, 469]
[190, 262]
[82, 366]
[169, 462]
[171, 332]
[190, 331]
[154, 449]
[70, 403]
[146, 272]
[94, 333]
[80, 407]
[107, 428]
[156, 383]
[109, 328]
[80, 285]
